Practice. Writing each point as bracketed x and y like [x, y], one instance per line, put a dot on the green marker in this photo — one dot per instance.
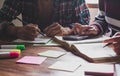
[21, 47]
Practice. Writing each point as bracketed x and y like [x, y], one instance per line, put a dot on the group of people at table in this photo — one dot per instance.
[61, 17]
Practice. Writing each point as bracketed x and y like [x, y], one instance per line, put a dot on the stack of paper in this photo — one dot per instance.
[32, 60]
[52, 53]
[65, 66]
[99, 69]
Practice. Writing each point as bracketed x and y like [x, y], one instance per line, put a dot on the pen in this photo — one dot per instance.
[10, 50]
[27, 23]
[21, 47]
[107, 44]
[8, 55]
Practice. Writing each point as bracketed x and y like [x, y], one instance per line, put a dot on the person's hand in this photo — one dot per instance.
[57, 30]
[115, 40]
[28, 32]
[84, 29]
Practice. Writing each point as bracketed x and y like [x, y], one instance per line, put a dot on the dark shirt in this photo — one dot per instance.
[64, 12]
[108, 18]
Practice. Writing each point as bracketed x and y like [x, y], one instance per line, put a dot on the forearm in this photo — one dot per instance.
[11, 30]
[3, 26]
[8, 12]
[101, 26]
[100, 22]
[7, 30]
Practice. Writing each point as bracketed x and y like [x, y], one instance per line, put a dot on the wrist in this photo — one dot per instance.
[68, 31]
[96, 28]
[12, 30]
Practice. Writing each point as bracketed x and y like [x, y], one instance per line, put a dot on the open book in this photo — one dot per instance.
[67, 44]
[90, 49]
[94, 52]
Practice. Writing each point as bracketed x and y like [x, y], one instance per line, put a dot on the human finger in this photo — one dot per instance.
[113, 39]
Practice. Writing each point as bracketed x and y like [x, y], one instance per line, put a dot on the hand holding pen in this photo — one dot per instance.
[22, 32]
[15, 17]
[27, 23]
[114, 42]
[28, 32]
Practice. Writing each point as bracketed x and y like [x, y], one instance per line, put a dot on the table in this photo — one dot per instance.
[9, 67]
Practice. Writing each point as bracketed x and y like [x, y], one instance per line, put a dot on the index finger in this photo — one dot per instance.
[114, 39]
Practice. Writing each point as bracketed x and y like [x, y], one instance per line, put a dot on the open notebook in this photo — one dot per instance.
[94, 52]
[89, 49]
[95, 69]
[38, 40]
[67, 44]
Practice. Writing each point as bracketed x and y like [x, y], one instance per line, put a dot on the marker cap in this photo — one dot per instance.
[4, 55]
[14, 54]
[22, 47]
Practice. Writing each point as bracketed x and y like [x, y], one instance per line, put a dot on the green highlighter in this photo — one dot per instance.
[19, 46]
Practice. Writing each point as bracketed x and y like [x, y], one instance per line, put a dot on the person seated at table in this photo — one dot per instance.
[53, 17]
[107, 22]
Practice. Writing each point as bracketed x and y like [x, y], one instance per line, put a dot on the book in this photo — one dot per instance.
[90, 49]
[52, 53]
[65, 66]
[38, 40]
[98, 69]
[67, 44]
[94, 52]
[51, 43]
